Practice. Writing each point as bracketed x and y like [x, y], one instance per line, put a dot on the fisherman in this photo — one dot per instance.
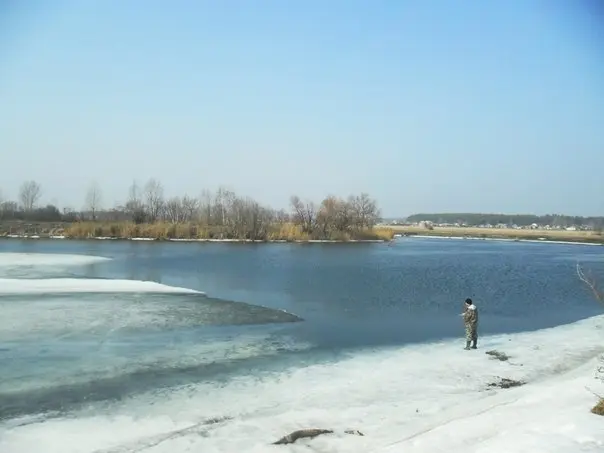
[470, 319]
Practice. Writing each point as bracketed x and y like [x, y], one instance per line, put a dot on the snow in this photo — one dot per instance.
[422, 398]
[12, 261]
[81, 285]
[550, 417]
[47, 259]
[475, 238]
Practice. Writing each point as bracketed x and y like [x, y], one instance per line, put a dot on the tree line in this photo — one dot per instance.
[474, 219]
[220, 214]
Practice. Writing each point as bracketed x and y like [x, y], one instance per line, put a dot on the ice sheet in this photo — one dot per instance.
[47, 259]
[425, 398]
[81, 285]
[115, 365]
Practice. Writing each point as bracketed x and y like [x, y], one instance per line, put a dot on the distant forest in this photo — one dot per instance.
[509, 219]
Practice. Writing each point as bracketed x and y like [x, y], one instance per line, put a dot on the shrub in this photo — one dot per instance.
[164, 230]
[385, 234]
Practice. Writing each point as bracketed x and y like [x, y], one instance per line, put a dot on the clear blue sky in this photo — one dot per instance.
[427, 105]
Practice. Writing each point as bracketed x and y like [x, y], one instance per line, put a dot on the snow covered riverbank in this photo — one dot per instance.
[422, 398]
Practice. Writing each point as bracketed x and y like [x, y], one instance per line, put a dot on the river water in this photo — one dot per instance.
[91, 343]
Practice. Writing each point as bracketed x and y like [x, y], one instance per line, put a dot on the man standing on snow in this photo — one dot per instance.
[470, 319]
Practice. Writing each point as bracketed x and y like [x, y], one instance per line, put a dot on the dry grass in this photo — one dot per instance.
[287, 232]
[598, 409]
[162, 231]
[503, 233]
[383, 233]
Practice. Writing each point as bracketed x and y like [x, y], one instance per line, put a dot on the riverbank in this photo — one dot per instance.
[560, 236]
[246, 241]
[286, 233]
[186, 232]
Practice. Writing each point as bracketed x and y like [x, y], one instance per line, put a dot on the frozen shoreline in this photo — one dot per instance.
[474, 238]
[419, 398]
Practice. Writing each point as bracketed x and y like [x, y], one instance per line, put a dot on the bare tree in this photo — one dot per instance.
[365, 211]
[304, 214]
[281, 216]
[591, 283]
[223, 202]
[9, 209]
[248, 219]
[93, 199]
[134, 205]
[190, 207]
[154, 198]
[206, 207]
[174, 210]
[327, 216]
[29, 195]
[344, 220]
[219, 214]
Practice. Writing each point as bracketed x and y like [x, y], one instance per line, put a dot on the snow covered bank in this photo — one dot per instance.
[424, 398]
[83, 285]
[47, 259]
[552, 416]
[475, 238]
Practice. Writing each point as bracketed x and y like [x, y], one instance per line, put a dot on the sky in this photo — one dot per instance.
[428, 106]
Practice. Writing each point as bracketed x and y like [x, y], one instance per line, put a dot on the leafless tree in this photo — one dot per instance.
[190, 207]
[134, 205]
[365, 211]
[134, 193]
[281, 216]
[591, 283]
[9, 208]
[174, 209]
[206, 207]
[219, 214]
[29, 195]
[248, 219]
[93, 199]
[344, 220]
[223, 203]
[154, 198]
[304, 214]
[327, 216]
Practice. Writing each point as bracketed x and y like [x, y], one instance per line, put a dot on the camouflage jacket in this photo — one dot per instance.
[470, 316]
